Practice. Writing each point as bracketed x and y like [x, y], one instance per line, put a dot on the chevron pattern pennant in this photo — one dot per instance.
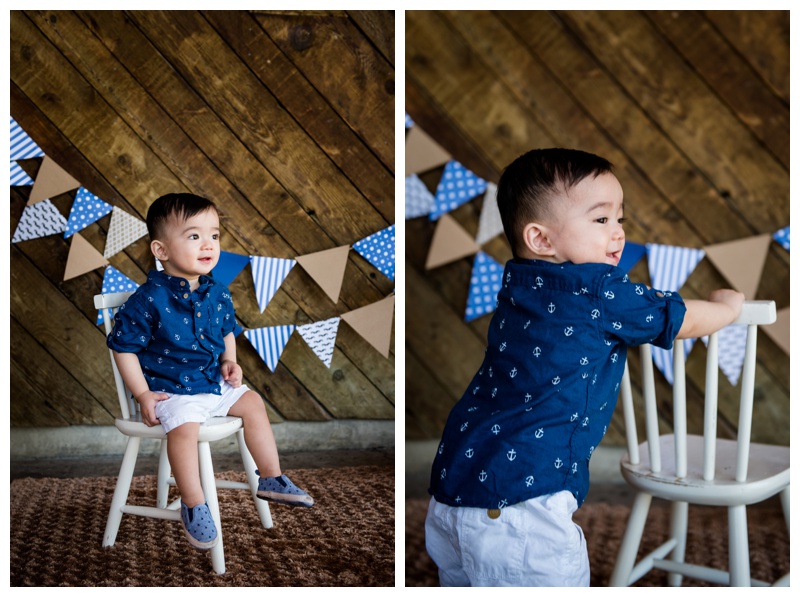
[457, 186]
[490, 224]
[782, 236]
[86, 208]
[670, 266]
[663, 359]
[321, 337]
[409, 122]
[124, 230]
[269, 342]
[485, 282]
[38, 220]
[378, 249]
[22, 146]
[419, 200]
[115, 281]
[268, 275]
[731, 343]
[19, 178]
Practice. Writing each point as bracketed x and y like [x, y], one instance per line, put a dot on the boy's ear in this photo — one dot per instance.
[159, 250]
[535, 237]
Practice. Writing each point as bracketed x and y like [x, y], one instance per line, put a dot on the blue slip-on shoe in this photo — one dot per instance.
[201, 532]
[282, 490]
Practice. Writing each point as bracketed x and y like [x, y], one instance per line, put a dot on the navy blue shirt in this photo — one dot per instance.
[543, 398]
[177, 334]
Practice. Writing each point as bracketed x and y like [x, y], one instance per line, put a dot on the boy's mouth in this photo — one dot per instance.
[614, 257]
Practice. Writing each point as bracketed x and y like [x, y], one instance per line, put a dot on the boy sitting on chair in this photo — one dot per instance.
[513, 463]
[173, 342]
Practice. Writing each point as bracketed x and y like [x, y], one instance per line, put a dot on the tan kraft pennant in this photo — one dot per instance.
[449, 243]
[374, 323]
[327, 269]
[83, 257]
[779, 331]
[741, 262]
[51, 180]
[422, 152]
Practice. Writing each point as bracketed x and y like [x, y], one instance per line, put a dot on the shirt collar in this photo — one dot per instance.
[174, 282]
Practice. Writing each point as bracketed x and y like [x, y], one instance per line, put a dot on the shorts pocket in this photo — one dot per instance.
[492, 549]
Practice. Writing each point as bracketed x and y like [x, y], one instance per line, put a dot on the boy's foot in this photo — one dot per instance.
[282, 490]
[201, 532]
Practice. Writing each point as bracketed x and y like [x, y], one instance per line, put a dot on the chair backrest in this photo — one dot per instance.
[754, 313]
[109, 304]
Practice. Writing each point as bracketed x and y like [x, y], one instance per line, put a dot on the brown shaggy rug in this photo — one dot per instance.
[346, 539]
[603, 525]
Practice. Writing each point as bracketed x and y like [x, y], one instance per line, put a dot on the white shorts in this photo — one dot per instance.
[196, 408]
[531, 544]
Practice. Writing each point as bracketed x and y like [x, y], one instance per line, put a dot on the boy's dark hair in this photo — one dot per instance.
[528, 184]
[181, 205]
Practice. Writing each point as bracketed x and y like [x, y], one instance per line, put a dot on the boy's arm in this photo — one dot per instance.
[131, 371]
[231, 371]
[706, 317]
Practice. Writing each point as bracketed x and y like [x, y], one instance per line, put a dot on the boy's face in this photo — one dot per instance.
[586, 225]
[189, 248]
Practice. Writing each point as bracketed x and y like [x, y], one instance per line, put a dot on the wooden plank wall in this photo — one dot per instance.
[691, 107]
[285, 119]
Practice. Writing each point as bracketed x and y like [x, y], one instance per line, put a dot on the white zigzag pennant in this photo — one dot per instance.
[321, 337]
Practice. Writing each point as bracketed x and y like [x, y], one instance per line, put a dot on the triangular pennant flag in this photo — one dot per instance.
[86, 209]
[663, 359]
[269, 342]
[51, 180]
[41, 219]
[490, 224]
[19, 178]
[115, 281]
[409, 122]
[124, 230]
[741, 262]
[159, 267]
[782, 236]
[327, 269]
[268, 275]
[731, 342]
[374, 323]
[82, 258]
[670, 266]
[779, 331]
[378, 249]
[422, 152]
[321, 337]
[22, 146]
[631, 255]
[228, 267]
[449, 243]
[419, 200]
[484, 284]
[457, 186]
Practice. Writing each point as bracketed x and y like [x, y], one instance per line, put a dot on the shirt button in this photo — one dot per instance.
[183, 283]
[198, 313]
[202, 337]
[185, 295]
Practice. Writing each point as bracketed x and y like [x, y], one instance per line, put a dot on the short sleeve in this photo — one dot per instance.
[636, 314]
[229, 319]
[132, 326]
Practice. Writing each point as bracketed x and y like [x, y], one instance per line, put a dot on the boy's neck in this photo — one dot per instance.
[194, 283]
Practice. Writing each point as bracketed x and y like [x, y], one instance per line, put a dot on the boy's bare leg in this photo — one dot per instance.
[258, 433]
[182, 452]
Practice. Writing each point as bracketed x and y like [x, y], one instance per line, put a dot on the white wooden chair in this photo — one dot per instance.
[690, 469]
[130, 424]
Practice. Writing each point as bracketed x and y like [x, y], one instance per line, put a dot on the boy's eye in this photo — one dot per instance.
[215, 236]
[193, 236]
[601, 220]
[622, 220]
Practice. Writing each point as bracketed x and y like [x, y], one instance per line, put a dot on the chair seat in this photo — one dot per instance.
[213, 429]
[768, 473]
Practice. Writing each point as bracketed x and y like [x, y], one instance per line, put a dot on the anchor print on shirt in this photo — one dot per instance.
[537, 352]
[527, 323]
[529, 480]
[569, 330]
[608, 294]
[513, 373]
[539, 433]
[511, 455]
[639, 290]
[469, 453]
[443, 474]
[483, 476]
[558, 463]
[595, 313]
[551, 308]
[495, 429]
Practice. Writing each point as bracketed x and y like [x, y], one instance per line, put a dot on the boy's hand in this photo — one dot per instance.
[147, 401]
[232, 373]
[732, 298]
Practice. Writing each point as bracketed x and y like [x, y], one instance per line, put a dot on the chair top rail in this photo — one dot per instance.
[111, 300]
[757, 313]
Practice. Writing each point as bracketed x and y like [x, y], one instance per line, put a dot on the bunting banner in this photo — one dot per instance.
[378, 249]
[490, 224]
[671, 266]
[268, 274]
[51, 180]
[327, 269]
[228, 267]
[779, 331]
[38, 220]
[457, 186]
[409, 122]
[374, 323]
[782, 237]
[22, 146]
[269, 342]
[82, 258]
[19, 178]
[419, 200]
[321, 338]
[631, 255]
[663, 359]
[114, 281]
[124, 230]
[86, 209]
[422, 152]
[485, 283]
[731, 343]
[450, 242]
[741, 262]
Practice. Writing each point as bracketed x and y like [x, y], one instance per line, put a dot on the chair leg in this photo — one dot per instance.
[262, 506]
[210, 492]
[121, 490]
[739, 552]
[679, 524]
[629, 547]
[164, 472]
[786, 504]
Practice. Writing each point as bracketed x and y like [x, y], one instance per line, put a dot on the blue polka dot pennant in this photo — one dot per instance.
[484, 284]
[457, 186]
[269, 342]
[782, 236]
[115, 281]
[378, 249]
[86, 208]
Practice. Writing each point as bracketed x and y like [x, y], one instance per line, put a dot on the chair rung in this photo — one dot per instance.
[225, 484]
[151, 512]
[646, 563]
[713, 575]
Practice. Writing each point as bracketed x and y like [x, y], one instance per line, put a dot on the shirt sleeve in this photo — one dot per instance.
[229, 318]
[636, 314]
[132, 327]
